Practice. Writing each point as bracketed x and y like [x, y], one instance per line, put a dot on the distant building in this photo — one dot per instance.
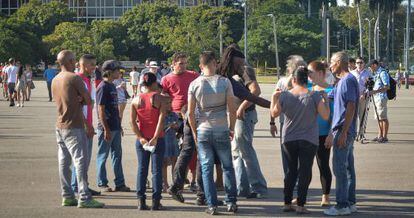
[87, 10]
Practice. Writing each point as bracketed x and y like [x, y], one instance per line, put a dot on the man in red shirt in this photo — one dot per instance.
[176, 85]
[87, 65]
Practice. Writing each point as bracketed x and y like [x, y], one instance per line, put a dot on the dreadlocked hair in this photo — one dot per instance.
[225, 67]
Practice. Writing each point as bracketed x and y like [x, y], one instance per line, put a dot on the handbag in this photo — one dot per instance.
[32, 85]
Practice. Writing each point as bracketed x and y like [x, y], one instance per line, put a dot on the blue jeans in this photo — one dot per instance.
[249, 176]
[210, 141]
[344, 170]
[156, 163]
[88, 151]
[104, 147]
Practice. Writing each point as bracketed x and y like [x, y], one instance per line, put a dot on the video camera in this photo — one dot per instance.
[370, 84]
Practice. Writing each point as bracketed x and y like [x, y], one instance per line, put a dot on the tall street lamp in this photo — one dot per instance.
[275, 40]
[369, 37]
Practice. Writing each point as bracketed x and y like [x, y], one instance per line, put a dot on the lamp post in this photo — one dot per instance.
[369, 37]
[244, 5]
[407, 38]
[275, 40]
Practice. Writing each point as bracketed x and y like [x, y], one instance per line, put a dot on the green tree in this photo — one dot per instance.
[110, 30]
[140, 22]
[41, 19]
[80, 39]
[297, 34]
[17, 42]
[196, 30]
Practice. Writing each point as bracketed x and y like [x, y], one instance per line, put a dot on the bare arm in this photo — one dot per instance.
[349, 115]
[323, 108]
[191, 116]
[160, 125]
[133, 122]
[275, 107]
[102, 117]
[255, 90]
[232, 111]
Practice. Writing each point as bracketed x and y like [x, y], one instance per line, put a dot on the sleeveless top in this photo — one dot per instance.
[147, 116]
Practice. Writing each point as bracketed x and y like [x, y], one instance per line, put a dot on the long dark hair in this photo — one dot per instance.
[225, 67]
[20, 73]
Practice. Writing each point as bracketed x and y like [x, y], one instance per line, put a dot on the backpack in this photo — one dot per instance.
[392, 91]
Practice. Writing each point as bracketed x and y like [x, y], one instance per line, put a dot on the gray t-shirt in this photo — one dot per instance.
[210, 94]
[300, 115]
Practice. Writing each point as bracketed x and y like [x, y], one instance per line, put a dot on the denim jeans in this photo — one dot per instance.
[71, 147]
[156, 168]
[104, 147]
[249, 176]
[49, 89]
[88, 155]
[210, 141]
[344, 170]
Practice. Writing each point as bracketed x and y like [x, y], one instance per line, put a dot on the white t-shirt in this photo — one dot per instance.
[11, 72]
[134, 78]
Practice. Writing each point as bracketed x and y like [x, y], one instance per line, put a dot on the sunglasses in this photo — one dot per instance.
[359, 62]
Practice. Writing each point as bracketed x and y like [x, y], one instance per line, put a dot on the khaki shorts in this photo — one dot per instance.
[381, 105]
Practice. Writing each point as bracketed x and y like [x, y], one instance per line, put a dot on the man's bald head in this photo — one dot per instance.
[66, 60]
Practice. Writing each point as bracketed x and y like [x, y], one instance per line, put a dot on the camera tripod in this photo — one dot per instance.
[364, 119]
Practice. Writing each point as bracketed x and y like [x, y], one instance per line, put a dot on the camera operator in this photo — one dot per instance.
[382, 84]
[361, 74]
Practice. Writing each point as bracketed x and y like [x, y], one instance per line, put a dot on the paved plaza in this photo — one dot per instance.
[29, 183]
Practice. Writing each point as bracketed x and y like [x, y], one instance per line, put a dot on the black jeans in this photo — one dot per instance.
[322, 158]
[183, 159]
[49, 89]
[304, 152]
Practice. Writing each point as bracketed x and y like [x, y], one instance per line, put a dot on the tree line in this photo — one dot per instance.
[37, 32]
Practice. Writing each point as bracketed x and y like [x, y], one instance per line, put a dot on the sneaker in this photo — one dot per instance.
[232, 208]
[384, 140]
[288, 208]
[193, 187]
[353, 208]
[176, 195]
[302, 210]
[255, 195]
[376, 139]
[68, 202]
[91, 204]
[200, 201]
[105, 188]
[212, 210]
[334, 211]
[18, 105]
[94, 193]
[123, 188]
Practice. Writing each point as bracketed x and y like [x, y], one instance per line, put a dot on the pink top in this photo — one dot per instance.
[147, 116]
[87, 111]
[177, 87]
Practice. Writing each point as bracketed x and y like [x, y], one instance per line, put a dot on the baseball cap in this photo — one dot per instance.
[112, 65]
[153, 64]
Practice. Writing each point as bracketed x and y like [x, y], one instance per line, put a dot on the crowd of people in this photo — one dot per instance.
[201, 121]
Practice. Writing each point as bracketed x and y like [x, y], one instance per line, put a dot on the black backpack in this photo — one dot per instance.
[392, 91]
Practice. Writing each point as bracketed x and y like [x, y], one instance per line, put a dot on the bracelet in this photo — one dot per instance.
[272, 123]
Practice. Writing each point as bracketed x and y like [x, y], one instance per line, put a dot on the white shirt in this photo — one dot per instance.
[361, 77]
[11, 72]
[134, 78]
